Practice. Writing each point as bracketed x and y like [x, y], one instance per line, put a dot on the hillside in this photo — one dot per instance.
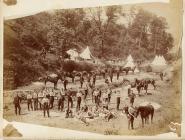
[24, 39]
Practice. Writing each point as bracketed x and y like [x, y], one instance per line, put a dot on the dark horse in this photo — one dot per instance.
[143, 84]
[70, 75]
[53, 79]
[127, 69]
[145, 112]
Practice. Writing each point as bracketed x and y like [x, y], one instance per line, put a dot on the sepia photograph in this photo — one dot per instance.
[93, 72]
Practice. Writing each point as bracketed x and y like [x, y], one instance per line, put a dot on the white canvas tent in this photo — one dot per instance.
[158, 64]
[129, 58]
[86, 54]
[159, 61]
[73, 54]
[129, 62]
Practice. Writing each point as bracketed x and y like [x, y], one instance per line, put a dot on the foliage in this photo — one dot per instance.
[100, 28]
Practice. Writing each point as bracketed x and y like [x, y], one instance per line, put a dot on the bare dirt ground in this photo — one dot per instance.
[167, 95]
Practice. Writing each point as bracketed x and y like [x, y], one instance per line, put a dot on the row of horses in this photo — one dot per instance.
[99, 72]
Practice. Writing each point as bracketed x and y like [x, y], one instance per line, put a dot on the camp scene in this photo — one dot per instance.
[110, 70]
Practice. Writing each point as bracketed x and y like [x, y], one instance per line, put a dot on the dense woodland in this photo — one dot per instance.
[143, 35]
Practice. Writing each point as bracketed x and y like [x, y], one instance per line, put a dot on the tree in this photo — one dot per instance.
[102, 18]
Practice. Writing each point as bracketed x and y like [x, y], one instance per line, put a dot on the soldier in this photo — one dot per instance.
[45, 103]
[16, 102]
[86, 90]
[61, 101]
[81, 81]
[51, 99]
[109, 92]
[94, 79]
[29, 101]
[40, 97]
[35, 100]
[130, 116]
[118, 97]
[161, 75]
[69, 100]
[96, 93]
[79, 99]
[117, 72]
[132, 97]
[65, 84]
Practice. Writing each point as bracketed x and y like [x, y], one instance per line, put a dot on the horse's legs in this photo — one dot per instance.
[73, 79]
[152, 114]
[55, 85]
[129, 123]
[142, 122]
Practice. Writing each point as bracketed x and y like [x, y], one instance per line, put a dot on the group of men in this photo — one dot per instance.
[101, 100]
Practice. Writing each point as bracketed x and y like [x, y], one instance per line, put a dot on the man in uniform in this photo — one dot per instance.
[29, 101]
[161, 75]
[51, 98]
[16, 102]
[132, 97]
[35, 100]
[81, 81]
[94, 79]
[118, 97]
[86, 90]
[96, 98]
[109, 92]
[65, 84]
[45, 103]
[131, 116]
[40, 97]
[61, 101]
[79, 99]
[69, 100]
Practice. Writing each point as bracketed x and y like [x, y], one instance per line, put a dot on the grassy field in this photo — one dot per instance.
[167, 95]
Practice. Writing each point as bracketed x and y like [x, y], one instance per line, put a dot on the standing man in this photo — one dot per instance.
[130, 116]
[117, 72]
[69, 100]
[109, 92]
[81, 81]
[86, 90]
[118, 97]
[65, 84]
[29, 101]
[79, 99]
[132, 97]
[45, 103]
[96, 94]
[61, 101]
[16, 102]
[161, 75]
[51, 98]
[40, 97]
[94, 79]
[35, 100]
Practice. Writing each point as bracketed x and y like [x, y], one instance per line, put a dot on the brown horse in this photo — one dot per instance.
[145, 112]
[53, 79]
[70, 75]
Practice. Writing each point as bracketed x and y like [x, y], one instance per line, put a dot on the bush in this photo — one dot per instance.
[70, 66]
